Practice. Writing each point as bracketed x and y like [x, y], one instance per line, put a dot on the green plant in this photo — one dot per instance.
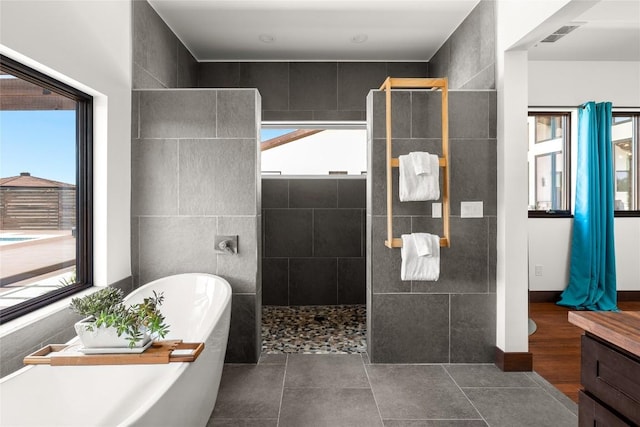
[67, 281]
[106, 308]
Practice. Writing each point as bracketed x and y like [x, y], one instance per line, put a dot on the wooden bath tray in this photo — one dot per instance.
[159, 352]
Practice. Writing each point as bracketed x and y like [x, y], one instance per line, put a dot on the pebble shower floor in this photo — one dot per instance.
[318, 329]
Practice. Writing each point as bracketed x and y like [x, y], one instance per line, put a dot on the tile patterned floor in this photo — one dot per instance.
[346, 390]
[339, 329]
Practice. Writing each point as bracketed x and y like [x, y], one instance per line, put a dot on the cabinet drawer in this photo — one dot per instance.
[613, 377]
[592, 414]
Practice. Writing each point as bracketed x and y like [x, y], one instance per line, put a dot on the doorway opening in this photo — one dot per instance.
[313, 238]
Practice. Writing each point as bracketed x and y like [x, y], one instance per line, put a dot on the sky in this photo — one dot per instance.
[329, 150]
[39, 142]
[268, 133]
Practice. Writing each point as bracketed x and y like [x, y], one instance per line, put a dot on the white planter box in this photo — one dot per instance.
[104, 337]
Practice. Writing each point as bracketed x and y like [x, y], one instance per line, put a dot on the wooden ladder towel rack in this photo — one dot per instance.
[418, 83]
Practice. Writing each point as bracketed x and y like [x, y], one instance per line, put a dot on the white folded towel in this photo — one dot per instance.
[416, 266]
[422, 162]
[414, 187]
[424, 243]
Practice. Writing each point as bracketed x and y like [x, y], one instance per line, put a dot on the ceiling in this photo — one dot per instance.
[609, 31]
[304, 30]
[372, 30]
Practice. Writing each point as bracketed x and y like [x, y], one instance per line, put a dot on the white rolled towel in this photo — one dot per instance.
[416, 266]
[414, 187]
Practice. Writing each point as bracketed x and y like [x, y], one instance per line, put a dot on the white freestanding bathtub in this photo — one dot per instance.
[197, 309]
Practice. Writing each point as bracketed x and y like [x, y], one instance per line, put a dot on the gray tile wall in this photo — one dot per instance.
[308, 91]
[467, 58]
[313, 238]
[160, 60]
[451, 320]
[195, 174]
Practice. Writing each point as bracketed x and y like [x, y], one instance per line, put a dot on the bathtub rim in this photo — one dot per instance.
[227, 295]
[42, 315]
[178, 370]
[154, 397]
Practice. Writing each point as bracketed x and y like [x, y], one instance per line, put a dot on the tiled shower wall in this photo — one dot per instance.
[195, 174]
[453, 319]
[160, 60]
[400, 312]
[308, 91]
[313, 237]
[468, 57]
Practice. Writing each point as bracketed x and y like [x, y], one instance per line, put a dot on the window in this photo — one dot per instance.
[549, 159]
[326, 151]
[548, 128]
[45, 190]
[625, 141]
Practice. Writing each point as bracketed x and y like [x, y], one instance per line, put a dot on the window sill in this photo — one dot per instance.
[545, 214]
[550, 214]
[40, 314]
[626, 214]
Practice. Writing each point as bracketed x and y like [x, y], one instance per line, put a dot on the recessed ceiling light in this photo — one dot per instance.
[359, 38]
[267, 38]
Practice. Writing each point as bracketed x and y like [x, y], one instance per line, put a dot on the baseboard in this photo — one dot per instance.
[554, 296]
[514, 362]
[628, 295]
[544, 296]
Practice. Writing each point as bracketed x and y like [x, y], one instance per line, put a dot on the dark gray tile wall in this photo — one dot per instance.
[313, 239]
[467, 58]
[195, 175]
[453, 319]
[160, 60]
[308, 91]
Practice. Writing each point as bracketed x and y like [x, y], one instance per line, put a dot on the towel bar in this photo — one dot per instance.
[418, 83]
[395, 162]
[397, 243]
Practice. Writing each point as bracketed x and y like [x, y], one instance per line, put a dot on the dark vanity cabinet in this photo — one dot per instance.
[610, 368]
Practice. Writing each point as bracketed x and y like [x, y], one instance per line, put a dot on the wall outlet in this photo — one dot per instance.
[471, 209]
[436, 210]
[538, 270]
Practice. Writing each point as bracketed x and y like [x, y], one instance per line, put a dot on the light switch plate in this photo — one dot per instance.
[471, 209]
[436, 210]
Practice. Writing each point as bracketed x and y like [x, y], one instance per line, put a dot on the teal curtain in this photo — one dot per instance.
[592, 278]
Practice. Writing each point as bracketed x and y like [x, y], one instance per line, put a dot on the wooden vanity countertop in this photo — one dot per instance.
[621, 328]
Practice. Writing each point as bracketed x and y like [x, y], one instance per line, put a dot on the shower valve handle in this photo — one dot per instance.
[226, 246]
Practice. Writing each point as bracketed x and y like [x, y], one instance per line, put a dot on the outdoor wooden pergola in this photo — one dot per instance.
[20, 95]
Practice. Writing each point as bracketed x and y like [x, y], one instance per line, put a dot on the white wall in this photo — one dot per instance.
[519, 24]
[87, 44]
[571, 83]
[627, 235]
[566, 83]
[550, 248]
[514, 22]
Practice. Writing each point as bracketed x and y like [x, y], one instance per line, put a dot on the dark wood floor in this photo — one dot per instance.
[556, 345]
